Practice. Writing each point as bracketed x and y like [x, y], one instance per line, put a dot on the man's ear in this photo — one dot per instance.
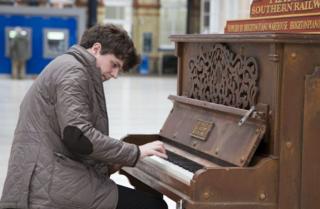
[96, 48]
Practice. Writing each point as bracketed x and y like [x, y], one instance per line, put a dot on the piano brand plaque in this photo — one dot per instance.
[202, 129]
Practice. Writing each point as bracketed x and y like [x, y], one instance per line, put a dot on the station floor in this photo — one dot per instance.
[136, 105]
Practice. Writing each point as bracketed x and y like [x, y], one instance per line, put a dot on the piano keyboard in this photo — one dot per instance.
[183, 162]
[177, 166]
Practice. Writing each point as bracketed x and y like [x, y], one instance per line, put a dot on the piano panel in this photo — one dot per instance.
[225, 138]
[248, 187]
[311, 143]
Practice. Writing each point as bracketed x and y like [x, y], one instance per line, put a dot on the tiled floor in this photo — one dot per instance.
[135, 105]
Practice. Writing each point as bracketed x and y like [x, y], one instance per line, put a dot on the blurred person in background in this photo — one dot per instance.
[18, 52]
[62, 156]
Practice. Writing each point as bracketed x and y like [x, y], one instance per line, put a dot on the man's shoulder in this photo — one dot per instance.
[67, 64]
[64, 68]
[67, 59]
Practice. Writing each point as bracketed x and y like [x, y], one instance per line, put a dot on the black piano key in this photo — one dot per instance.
[183, 162]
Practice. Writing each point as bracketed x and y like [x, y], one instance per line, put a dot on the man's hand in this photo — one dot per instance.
[153, 148]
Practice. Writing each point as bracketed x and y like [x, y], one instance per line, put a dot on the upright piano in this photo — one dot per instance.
[244, 130]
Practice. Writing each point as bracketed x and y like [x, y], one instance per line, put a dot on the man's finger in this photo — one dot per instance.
[160, 154]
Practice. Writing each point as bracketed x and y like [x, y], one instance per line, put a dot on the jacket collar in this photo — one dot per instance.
[87, 60]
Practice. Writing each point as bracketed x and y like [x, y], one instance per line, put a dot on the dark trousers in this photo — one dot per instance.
[134, 199]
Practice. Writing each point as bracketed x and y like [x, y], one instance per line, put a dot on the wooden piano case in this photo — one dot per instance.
[224, 77]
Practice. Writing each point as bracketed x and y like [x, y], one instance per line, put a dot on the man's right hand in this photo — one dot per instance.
[153, 148]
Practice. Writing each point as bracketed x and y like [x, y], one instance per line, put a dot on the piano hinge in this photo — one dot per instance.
[246, 116]
[258, 112]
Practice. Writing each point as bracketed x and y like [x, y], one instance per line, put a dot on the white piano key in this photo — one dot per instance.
[171, 169]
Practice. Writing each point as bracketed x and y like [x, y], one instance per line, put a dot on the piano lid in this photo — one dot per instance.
[214, 129]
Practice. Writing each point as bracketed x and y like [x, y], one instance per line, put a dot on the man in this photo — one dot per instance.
[61, 154]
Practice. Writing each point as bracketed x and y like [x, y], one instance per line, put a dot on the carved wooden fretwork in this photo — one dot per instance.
[218, 75]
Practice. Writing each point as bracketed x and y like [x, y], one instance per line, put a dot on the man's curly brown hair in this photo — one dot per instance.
[114, 40]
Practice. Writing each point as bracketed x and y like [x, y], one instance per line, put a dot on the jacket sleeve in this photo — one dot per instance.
[75, 120]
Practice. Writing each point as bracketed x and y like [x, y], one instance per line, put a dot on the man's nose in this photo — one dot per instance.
[114, 73]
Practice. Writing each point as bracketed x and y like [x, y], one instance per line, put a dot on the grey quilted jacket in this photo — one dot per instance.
[61, 149]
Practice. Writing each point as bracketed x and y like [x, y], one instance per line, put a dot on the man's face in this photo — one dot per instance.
[109, 65]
